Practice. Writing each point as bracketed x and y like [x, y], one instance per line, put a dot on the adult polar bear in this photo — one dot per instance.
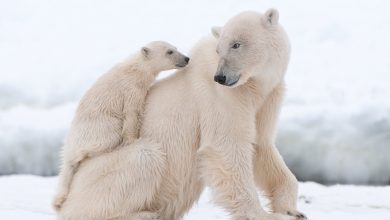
[196, 132]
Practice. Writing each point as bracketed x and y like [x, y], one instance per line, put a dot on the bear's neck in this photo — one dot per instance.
[266, 83]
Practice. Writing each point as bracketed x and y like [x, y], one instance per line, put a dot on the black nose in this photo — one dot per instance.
[187, 59]
[221, 79]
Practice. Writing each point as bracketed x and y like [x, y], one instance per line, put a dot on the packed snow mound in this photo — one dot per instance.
[30, 138]
[335, 122]
[331, 146]
[29, 197]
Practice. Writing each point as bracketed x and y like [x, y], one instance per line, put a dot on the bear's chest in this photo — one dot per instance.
[228, 118]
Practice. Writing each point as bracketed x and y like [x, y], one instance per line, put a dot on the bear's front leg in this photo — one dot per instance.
[228, 170]
[276, 180]
[271, 173]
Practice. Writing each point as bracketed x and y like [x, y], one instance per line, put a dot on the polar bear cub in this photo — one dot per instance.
[109, 114]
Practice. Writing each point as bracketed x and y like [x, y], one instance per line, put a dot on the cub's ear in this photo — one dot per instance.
[145, 51]
[271, 17]
[216, 31]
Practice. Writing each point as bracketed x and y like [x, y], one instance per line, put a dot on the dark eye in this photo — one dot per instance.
[169, 52]
[236, 45]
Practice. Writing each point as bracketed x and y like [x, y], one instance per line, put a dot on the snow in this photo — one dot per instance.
[29, 197]
[335, 123]
[30, 138]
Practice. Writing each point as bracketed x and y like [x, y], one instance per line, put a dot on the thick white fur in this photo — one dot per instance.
[109, 114]
[196, 132]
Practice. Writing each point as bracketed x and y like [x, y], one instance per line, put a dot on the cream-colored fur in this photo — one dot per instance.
[196, 132]
[109, 113]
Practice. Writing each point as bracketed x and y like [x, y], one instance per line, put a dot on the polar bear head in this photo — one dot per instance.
[251, 45]
[161, 56]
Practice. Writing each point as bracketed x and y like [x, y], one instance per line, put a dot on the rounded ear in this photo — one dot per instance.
[271, 17]
[145, 51]
[216, 31]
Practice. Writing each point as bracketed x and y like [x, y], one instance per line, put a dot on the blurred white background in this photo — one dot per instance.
[335, 123]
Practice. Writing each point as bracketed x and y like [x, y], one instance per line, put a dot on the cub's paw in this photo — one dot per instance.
[297, 215]
[58, 201]
[78, 157]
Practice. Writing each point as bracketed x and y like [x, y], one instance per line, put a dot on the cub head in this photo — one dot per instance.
[163, 56]
[251, 45]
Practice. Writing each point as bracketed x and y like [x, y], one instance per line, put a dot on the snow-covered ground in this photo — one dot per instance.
[335, 125]
[29, 197]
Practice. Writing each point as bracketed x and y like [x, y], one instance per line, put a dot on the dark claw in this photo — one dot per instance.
[298, 216]
[301, 216]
